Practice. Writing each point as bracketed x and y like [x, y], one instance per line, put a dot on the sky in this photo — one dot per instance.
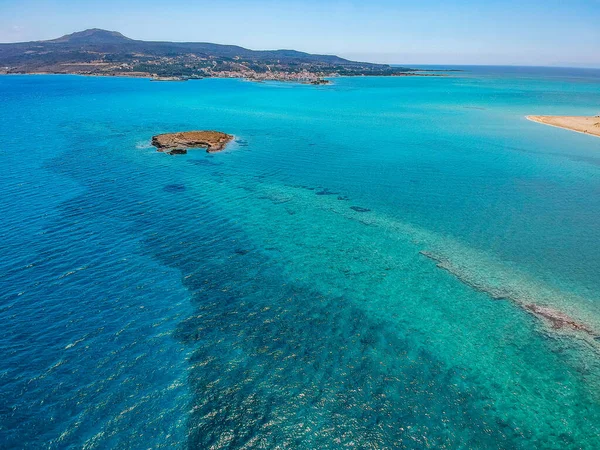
[501, 32]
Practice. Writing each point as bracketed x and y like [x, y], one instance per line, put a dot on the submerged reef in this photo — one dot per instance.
[554, 318]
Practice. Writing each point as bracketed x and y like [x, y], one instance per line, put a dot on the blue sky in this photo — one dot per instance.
[522, 32]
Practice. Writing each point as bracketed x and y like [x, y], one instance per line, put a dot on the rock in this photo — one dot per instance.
[320, 81]
[212, 141]
[326, 191]
[174, 188]
[177, 151]
[558, 319]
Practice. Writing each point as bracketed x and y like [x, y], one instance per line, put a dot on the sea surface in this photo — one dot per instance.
[360, 268]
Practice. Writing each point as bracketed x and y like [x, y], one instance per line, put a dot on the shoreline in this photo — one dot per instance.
[326, 79]
[589, 125]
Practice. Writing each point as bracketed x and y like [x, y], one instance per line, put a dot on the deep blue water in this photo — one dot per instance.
[278, 294]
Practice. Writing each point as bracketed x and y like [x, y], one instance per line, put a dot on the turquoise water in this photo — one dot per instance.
[354, 271]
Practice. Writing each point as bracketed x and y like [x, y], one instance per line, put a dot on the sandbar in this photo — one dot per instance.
[581, 124]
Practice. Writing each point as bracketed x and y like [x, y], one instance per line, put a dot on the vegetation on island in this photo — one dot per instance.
[101, 52]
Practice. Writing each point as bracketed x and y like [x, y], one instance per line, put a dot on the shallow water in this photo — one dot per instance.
[278, 294]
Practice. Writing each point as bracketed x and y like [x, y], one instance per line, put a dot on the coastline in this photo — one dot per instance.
[589, 125]
[323, 81]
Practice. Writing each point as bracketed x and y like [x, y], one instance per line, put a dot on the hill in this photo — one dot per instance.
[102, 52]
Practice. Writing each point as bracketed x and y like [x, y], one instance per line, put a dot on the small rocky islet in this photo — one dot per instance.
[178, 143]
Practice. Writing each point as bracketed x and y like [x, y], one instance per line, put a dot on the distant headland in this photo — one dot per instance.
[581, 124]
[178, 143]
[109, 53]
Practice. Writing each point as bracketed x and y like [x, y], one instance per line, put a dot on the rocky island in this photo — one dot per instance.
[178, 143]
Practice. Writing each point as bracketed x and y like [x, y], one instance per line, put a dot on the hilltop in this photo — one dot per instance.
[101, 52]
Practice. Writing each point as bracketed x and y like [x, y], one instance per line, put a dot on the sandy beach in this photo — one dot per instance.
[581, 124]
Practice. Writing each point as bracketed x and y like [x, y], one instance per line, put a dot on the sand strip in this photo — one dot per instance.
[581, 124]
